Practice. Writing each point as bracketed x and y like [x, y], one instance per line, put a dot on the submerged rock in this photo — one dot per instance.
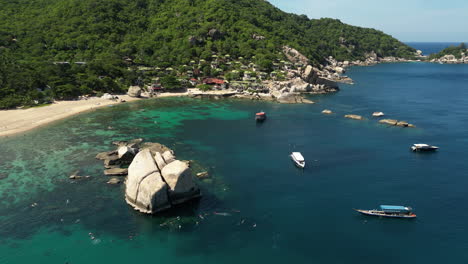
[355, 117]
[106, 155]
[391, 122]
[203, 175]
[116, 172]
[114, 181]
[134, 143]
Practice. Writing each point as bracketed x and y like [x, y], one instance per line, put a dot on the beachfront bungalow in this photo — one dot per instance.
[213, 81]
[193, 82]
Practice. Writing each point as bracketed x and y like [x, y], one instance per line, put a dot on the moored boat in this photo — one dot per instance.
[423, 147]
[298, 159]
[260, 117]
[392, 211]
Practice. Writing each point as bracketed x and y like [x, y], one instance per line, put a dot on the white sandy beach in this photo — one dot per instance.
[21, 120]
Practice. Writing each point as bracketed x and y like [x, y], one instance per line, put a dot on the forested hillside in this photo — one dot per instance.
[64, 48]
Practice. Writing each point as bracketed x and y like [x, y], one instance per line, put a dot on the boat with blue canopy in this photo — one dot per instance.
[393, 211]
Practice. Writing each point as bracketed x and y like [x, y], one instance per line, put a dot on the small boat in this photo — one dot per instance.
[260, 117]
[423, 147]
[392, 211]
[298, 159]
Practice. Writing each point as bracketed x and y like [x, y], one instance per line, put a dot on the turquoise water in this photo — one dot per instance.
[273, 211]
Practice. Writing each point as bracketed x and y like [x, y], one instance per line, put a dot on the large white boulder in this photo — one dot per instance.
[145, 189]
[168, 156]
[126, 154]
[160, 160]
[178, 177]
[134, 91]
[153, 195]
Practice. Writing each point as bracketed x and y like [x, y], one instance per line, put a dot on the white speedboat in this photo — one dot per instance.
[298, 159]
[424, 147]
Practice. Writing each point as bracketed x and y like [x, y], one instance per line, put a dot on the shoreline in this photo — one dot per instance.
[16, 121]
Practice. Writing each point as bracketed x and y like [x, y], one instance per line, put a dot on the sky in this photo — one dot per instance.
[406, 20]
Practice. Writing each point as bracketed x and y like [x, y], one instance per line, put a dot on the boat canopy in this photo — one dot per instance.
[395, 209]
[421, 145]
[298, 156]
[261, 114]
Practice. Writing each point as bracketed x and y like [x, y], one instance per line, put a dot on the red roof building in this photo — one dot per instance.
[213, 81]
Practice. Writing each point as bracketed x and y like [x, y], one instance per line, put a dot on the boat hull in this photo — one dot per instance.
[297, 163]
[388, 215]
[415, 149]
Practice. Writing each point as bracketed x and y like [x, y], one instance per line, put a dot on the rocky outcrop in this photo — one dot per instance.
[292, 98]
[116, 172]
[452, 59]
[145, 189]
[134, 91]
[179, 178]
[193, 40]
[295, 56]
[215, 34]
[355, 117]
[393, 122]
[168, 156]
[156, 180]
[258, 37]
[126, 154]
[114, 181]
[159, 160]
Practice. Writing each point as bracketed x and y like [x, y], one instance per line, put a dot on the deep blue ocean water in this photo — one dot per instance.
[274, 212]
[429, 48]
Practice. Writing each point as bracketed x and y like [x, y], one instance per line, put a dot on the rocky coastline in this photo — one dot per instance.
[303, 79]
[451, 59]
